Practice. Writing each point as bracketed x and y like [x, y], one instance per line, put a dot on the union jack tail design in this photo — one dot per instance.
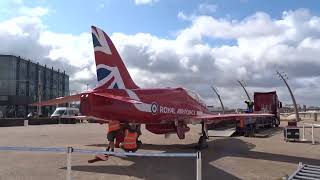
[111, 71]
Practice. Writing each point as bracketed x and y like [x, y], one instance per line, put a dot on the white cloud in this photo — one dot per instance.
[182, 16]
[101, 4]
[27, 36]
[36, 11]
[144, 2]
[203, 9]
[207, 8]
[262, 45]
[84, 74]
[19, 35]
[14, 8]
[75, 49]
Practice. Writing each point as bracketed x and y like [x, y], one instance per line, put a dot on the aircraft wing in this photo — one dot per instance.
[76, 97]
[119, 98]
[213, 117]
[59, 100]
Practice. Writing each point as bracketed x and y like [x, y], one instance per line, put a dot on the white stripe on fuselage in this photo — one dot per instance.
[141, 107]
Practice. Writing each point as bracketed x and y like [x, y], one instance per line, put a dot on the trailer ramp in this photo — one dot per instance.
[221, 132]
[306, 171]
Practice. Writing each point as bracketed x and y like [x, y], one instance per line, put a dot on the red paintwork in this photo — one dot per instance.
[106, 108]
[164, 128]
[267, 101]
[101, 58]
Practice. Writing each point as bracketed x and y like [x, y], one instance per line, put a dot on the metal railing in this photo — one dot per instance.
[70, 150]
[312, 126]
[305, 171]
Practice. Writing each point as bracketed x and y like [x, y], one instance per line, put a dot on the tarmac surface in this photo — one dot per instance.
[226, 158]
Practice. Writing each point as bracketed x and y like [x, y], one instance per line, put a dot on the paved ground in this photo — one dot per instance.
[226, 158]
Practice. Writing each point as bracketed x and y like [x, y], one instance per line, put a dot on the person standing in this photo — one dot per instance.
[130, 139]
[113, 130]
[249, 106]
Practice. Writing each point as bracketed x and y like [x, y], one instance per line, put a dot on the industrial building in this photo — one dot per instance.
[23, 82]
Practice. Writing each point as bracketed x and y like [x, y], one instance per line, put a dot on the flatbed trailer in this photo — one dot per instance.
[264, 102]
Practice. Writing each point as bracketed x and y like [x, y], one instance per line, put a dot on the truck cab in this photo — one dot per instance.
[267, 102]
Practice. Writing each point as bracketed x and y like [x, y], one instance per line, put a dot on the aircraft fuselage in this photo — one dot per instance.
[157, 105]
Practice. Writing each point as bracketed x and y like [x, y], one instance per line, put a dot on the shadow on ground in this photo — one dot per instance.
[268, 132]
[184, 168]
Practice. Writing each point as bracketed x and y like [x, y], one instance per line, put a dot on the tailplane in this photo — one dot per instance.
[111, 71]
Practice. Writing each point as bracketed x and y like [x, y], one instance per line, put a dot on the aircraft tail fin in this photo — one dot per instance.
[111, 71]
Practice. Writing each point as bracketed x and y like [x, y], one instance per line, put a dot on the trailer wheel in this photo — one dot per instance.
[277, 122]
[250, 130]
[246, 131]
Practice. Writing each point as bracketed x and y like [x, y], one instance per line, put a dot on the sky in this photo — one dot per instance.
[170, 43]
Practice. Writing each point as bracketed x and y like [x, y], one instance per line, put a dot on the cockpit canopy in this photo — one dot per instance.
[195, 96]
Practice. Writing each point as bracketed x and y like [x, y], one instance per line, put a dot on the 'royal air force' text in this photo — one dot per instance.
[171, 110]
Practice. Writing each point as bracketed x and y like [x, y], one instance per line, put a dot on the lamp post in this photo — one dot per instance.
[39, 93]
[291, 94]
[214, 90]
[243, 86]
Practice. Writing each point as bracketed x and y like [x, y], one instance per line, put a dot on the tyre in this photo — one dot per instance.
[277, 122]
[139, 144]
[202, 143]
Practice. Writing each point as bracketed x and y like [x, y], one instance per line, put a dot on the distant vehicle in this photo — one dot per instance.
[65, 112]
[32, 115]
[264, 102]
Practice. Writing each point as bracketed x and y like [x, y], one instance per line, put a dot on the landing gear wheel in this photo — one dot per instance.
[131, 150]
[250, 130]
[277, 122]
[181, 130]
[139, 144]
[202, 143]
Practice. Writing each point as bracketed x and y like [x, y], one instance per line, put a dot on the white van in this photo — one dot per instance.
[65, 112]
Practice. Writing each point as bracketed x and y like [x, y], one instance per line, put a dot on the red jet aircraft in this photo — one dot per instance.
[117, 97]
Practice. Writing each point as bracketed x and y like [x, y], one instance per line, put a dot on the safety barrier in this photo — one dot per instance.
[305, 171]
[70, 150]
[312, 126]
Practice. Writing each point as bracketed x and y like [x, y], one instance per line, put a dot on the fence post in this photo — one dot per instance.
[199, 168]
[69, 152]
[303, 133]
[312, 133]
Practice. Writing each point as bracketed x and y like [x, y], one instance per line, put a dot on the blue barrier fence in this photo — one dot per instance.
[37, 149]
[70, 150]
[86, 151]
